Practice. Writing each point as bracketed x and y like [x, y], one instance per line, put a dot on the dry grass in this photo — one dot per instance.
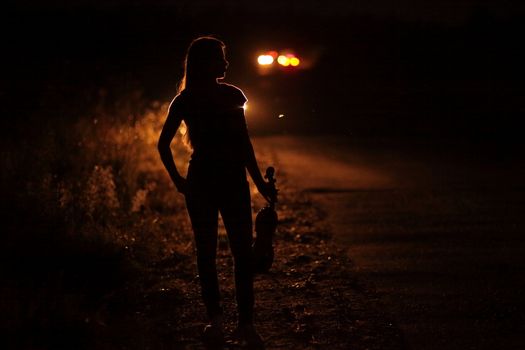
[87, 207]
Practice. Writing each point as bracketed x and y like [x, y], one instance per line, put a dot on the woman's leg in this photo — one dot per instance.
[235, 208]
[203, 213]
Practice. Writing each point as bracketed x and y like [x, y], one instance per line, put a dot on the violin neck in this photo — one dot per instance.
[271, 180]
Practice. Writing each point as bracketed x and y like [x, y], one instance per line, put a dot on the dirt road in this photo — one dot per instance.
[437, 232]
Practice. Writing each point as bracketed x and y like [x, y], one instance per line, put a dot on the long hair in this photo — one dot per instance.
[196, 65]
[198, 56]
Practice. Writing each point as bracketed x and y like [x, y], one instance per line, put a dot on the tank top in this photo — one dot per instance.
[216, 126]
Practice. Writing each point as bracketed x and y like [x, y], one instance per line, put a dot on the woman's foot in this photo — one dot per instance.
[248, 336]
[213, 334]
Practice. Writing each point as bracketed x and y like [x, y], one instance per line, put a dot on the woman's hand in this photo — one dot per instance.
[266, 190]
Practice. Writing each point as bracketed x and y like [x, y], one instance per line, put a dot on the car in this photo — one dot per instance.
[284, 59]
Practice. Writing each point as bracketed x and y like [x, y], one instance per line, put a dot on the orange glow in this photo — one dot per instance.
[294, 61]
[274, 54]
[265, 60]
[283, 60]
[183, 129]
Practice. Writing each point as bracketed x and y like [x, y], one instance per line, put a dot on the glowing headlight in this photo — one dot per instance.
[283, 60]
[265, 60]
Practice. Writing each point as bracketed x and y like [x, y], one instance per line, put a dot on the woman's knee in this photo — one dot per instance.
[243, 264]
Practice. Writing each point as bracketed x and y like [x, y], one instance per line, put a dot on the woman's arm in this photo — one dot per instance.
[253, 169]
[166, 136]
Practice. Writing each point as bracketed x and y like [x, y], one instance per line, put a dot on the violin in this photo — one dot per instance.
[265, 227]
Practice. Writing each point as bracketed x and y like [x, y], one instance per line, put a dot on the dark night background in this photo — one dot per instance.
[425, 93]
[438, 69]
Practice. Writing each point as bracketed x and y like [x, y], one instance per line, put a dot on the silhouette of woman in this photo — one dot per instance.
[216, 180]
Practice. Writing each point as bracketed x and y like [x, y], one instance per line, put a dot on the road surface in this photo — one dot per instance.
[436, 232]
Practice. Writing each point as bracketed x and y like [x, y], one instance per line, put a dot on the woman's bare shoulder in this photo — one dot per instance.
[236, 92]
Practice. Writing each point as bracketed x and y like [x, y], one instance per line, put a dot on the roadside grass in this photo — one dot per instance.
[85, 208]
